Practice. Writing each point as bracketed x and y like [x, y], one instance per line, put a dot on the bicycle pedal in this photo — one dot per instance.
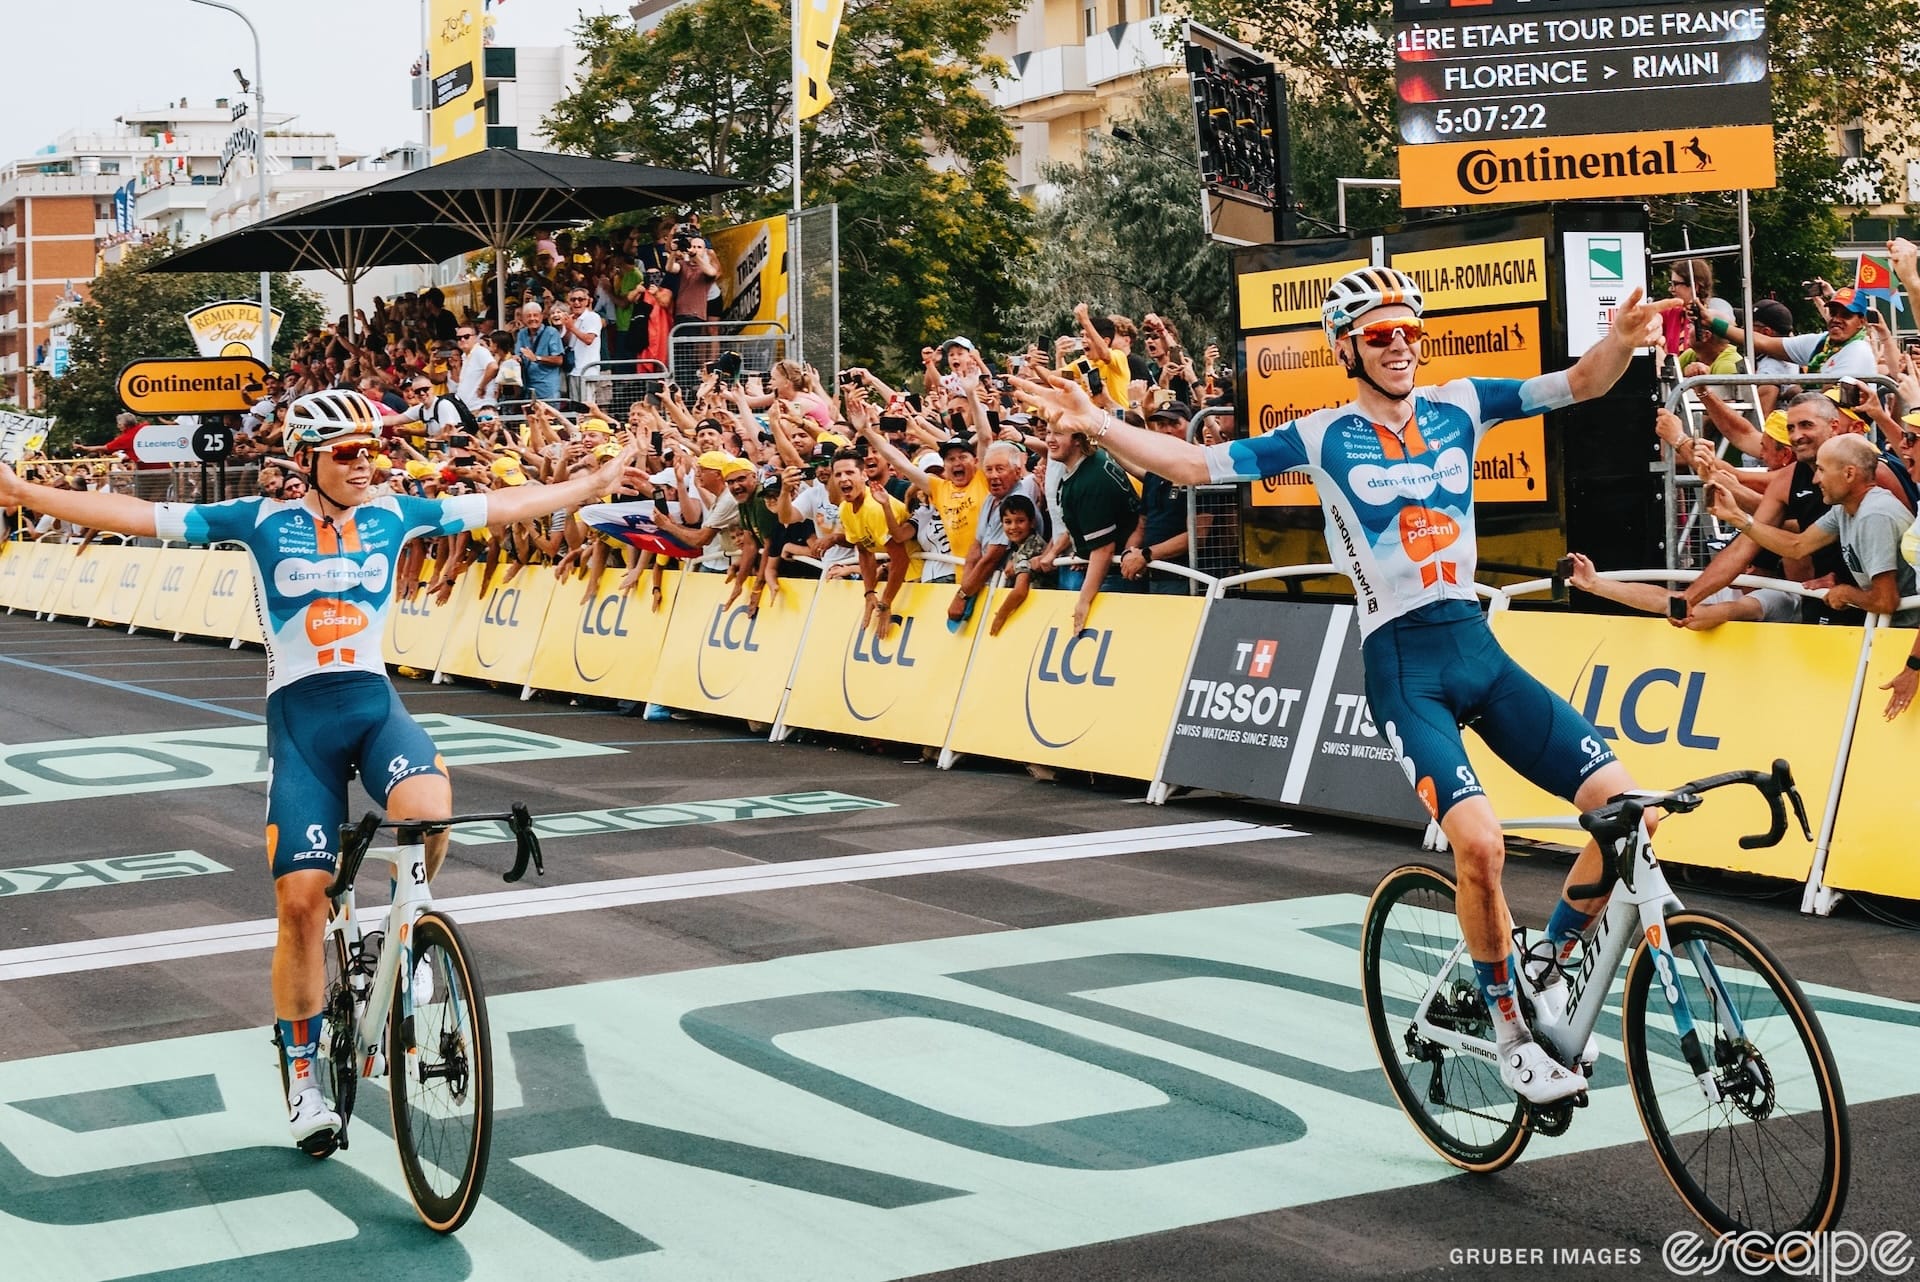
[321, 1145]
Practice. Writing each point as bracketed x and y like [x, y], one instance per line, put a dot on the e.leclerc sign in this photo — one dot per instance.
[193, 385]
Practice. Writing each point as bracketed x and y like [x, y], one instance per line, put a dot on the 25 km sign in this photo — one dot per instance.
[193, 385]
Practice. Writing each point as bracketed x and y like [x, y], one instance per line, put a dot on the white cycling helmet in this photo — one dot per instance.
[330, 418]
[1359, 292]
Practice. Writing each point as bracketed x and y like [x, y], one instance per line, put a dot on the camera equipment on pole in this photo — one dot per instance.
[1240, 123]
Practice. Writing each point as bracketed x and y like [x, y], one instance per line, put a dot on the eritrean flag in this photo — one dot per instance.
[1874, 278]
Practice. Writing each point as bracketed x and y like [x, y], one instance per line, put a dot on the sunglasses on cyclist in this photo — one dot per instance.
[1381, 333]
[350, 451]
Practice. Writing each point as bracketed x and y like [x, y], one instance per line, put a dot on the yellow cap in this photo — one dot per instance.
[715, 460]
[609, 450]
[1833, 394]
[381, 463]
[1776, 426]
[508, 470]
[834, 439]
[734, 466]
[419, 469]
[1912, 420]
[593, 424]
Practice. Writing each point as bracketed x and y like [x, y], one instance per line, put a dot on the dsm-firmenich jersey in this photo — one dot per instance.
[1399, 505]
[322, 588]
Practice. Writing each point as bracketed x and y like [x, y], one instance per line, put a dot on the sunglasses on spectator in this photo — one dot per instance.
[1910, 437]
[418, 391]
[462, 337]
[350, 451]
[1381, 333]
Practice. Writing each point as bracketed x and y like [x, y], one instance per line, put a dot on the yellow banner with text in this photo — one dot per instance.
[169, 599]
[417, 627]
[127, 586]
[720, 659]
[606, 644]
[495, 633]
[1100, 699]
[1876, 840]
[1677, 705]
[901, 687]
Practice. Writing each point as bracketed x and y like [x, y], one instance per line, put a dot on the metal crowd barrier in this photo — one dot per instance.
[691, 347]
[1213, 512]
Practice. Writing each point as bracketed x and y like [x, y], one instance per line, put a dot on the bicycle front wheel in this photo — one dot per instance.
[1772, 1155]
[440, 1075]
[1456, 1101]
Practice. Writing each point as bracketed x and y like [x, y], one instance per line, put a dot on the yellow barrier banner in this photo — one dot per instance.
[718, 660]
[497, 633]
[61, 569]
[1098, 700]
[417, 627]
[169, 600]
[36, 575]
[609, 645]
[13, 559]
[88, 581]
[902, 688]
[127, 588]
[1677, 705]
[223, 595]
[1876, 838]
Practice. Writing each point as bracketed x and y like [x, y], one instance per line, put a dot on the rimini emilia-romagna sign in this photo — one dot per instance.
[1520, 100]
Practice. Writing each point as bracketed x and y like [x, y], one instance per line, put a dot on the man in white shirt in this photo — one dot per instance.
[436, 414]
[837, 557]
[581, 330]
[479, 372]
[1842, 349]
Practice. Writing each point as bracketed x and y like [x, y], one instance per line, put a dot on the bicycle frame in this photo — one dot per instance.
[1636, 912]
[411, 899]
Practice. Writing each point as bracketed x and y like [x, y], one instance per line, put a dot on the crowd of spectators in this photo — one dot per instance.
[1806, 481]
[753, 474]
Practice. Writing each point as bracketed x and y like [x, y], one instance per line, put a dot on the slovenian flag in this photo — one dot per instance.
[1874, 278]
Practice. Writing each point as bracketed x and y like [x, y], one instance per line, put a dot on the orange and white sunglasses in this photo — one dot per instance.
[1381, 333]
[348, 451]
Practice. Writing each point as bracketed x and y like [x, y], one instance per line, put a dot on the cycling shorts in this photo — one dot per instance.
[1438, 668]
[320, 729]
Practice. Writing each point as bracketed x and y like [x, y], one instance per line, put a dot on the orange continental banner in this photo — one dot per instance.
[1292, 375]
[1653, 162]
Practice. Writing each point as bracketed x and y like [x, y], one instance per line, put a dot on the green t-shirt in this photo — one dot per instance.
[1097, 504]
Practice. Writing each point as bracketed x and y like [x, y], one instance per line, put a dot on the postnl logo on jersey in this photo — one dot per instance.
[330, 621]
[1424, 532]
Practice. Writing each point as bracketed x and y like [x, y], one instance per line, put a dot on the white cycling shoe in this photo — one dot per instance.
[316, 1127]
[1537, 1077]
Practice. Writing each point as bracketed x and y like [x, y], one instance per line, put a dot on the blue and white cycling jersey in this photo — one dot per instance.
[322, 588]
[1399, 506]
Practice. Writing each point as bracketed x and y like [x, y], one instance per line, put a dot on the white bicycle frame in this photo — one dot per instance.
[1633, 914]
[394, 972]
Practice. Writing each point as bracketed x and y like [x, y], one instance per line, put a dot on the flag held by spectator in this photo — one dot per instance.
[819, 24]
[1874, 278]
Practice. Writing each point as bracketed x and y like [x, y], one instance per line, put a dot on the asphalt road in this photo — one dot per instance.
[782, 1011]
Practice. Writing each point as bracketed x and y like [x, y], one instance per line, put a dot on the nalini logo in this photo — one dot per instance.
[1077, 659]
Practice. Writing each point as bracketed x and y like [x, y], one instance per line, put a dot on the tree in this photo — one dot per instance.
[1834, 63]
[1123, 230]
[137, 315]
[931, 234]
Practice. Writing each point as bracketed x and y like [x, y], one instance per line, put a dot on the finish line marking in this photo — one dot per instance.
[249, 936]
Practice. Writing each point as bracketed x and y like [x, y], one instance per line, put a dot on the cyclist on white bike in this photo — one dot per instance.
[325, 565]
[1394, 470]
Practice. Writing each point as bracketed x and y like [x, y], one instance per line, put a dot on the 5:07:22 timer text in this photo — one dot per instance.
[1480, 120]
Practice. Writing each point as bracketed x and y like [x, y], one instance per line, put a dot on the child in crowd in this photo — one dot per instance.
[1021, 520]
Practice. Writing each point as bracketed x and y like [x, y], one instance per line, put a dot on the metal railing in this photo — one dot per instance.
[692, 346]
[617, 386]
[1213, 513]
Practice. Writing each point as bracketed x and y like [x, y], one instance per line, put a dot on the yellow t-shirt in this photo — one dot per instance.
[866, 527]
[1114, 376]
[960, 509]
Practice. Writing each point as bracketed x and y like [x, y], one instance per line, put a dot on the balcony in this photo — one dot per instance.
[9, 280]
[9, 237]
[10, 364]
[1128, 49]
[1044, 83]
[9, 321]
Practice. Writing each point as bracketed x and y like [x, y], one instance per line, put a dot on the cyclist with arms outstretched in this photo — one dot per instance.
[325, 580]
[1394, 470]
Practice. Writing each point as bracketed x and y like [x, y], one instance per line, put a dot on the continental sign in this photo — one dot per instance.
[1646, 163]
[193, 385]
[1506, 271]
[1293, 375]
[1289, 295]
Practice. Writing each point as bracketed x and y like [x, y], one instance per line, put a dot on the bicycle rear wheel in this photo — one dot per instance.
[1773, 1156]
[1456, 1101]
[333, 1068]
[441, 1078]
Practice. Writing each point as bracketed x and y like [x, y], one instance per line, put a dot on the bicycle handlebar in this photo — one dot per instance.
[357, 839]
[1614, 822]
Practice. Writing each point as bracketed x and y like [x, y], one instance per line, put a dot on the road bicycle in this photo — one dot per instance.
[405, 1002]
[1735, 1083]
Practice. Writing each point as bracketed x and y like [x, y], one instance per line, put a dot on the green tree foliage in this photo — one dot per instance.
[931, 234]
[1123, 230]
[1834, 63]
[135, 315]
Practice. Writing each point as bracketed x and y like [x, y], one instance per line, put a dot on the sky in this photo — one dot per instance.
[341, 65]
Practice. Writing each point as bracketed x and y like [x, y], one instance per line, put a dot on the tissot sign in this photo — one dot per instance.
[1504, 101]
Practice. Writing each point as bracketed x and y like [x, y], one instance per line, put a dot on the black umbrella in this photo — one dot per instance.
[348, 252]
[503, 194]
